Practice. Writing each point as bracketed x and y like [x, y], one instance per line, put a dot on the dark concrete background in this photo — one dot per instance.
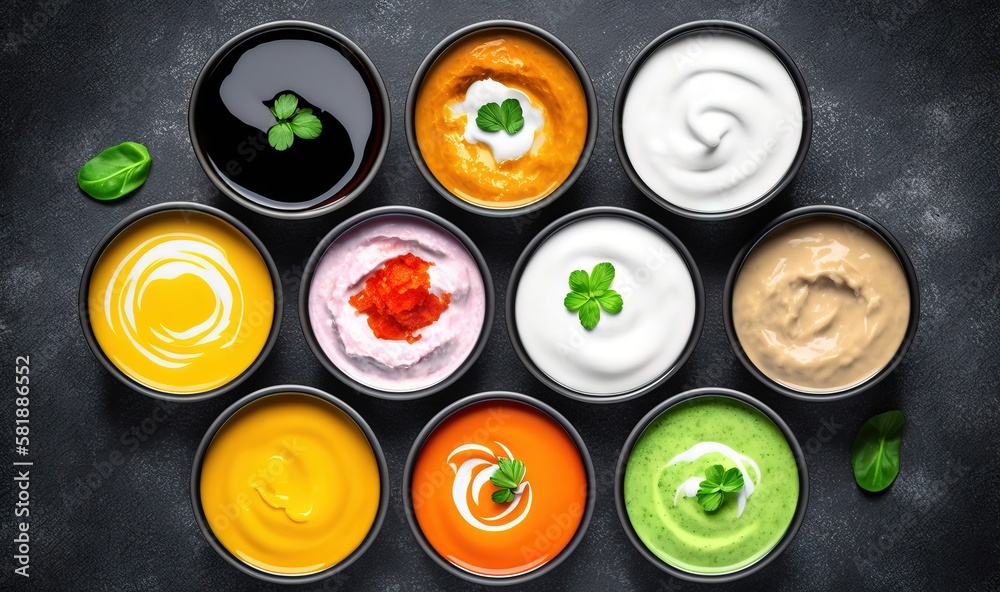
[904, 95]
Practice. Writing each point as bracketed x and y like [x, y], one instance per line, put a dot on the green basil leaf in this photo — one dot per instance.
[579, 281]
[601, 277]
[711, 501]
[503, 477]
[714, 476]
[513, 118]
[732, 481]
[610, 301]
[502, 496]
[306, 125]
[590, 314]
[489, 118]
[280, 136]
[875, 453]
[516, 471]
[575, 300]
[115, 172]
[284, 106]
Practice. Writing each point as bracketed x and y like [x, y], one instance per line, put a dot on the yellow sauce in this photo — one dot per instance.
[290, 484]
[181, 302]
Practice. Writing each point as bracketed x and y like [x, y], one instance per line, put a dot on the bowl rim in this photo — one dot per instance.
[83, 308]
[796, 215]
[361, 218]
[640, 428]
[563, 222]
[434, 423]
[716, 27]
[338, 38]
[409, 123]
[209, 437]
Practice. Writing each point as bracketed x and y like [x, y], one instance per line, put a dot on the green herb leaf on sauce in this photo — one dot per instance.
[507, 477]
[291, 122]
[284, 106]
[875, 453]
[115, 172]
[718, 482]
[280, 136]
[590, 293]
[506, 116]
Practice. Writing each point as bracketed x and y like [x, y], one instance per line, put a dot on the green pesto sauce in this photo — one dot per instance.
[685, 535]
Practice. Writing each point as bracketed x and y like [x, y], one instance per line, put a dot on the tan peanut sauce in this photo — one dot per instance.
[821, 305]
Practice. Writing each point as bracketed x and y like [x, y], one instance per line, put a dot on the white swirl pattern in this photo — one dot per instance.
[690, 487]
[168, 257]
[712, 122]
[472, 475]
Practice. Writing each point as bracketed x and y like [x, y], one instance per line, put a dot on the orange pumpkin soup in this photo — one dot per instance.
[499, 169]
[453, 495]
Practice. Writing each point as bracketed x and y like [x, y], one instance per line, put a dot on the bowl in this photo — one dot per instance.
[458, 448]
[717, 167]
[760, 417]
[233, 114]
[228, 446]
[385, 360]
[897, 269]
[457, 184]
[222, 269]
[605, 364]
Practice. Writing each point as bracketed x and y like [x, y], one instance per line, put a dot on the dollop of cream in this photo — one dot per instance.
[690, 486]
[503, 145]
[712, 121]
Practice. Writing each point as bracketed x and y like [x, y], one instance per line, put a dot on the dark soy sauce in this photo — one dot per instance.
[232, 118]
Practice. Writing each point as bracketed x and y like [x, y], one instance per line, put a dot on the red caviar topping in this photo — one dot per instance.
[397, 299]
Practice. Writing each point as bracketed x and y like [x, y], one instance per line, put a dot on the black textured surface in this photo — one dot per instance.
[904, 98]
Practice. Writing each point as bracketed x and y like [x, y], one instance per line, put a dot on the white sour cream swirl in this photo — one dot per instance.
[503, 145]
[168, 257]
[712, 121]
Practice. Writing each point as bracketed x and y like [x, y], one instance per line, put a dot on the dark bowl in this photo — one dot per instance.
[858, 218]
[380, 130]
[320, 251]
[800, 509]
[411, 102]
[522, 262]
[84, 308]
[717, 27]
[199, 459]
[418, 444]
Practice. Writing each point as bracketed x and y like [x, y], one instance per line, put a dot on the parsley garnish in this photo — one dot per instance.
[291, 122]
[506, 116]
[508, 478]
[718, 482]
[592, 293]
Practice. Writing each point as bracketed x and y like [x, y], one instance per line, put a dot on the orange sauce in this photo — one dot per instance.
[520, 61]
[461, 521]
